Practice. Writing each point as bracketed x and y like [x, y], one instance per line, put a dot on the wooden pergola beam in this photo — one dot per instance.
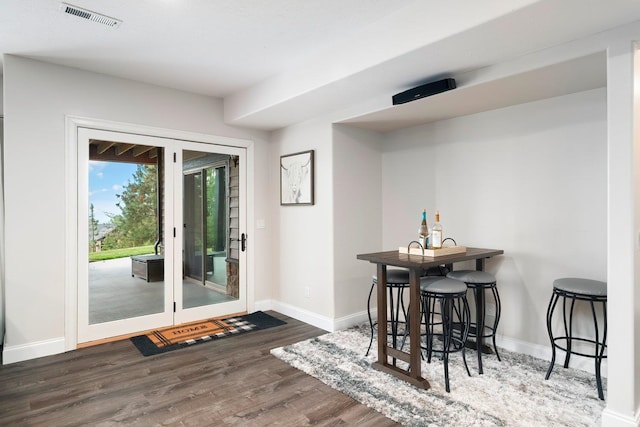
[139, 150]
[123, 148]
[126, 157]
[104, 146]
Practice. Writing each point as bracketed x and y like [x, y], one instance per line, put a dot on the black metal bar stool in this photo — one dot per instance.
[576, 289]
[479, 281]
[454, 318]
[397, 282]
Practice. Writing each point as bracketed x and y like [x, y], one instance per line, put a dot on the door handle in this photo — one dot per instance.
[243, 242]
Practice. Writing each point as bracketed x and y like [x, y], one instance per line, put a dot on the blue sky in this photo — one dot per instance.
[106, 179]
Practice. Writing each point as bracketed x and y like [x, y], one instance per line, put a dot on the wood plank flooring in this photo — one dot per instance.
[233, 381]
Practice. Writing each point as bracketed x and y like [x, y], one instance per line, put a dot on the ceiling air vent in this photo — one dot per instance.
[91, 16]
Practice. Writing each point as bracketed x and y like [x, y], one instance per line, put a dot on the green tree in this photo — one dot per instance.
[93, 229]
[136, 225]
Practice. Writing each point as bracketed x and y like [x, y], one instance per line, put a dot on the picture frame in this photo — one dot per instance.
[297, 179]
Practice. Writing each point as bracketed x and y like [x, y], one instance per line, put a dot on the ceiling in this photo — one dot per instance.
[278, 62]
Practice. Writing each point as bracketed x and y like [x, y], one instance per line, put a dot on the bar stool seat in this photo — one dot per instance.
[472, 277]
[576, 289]
[451, 295]
[479, 281]
[397, 280]
[586, 287]
[441, 285]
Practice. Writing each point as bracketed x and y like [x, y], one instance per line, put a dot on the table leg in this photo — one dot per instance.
[414, 325]
[413, 374]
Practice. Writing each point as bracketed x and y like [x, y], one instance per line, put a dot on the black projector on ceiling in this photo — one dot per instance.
[424, 91]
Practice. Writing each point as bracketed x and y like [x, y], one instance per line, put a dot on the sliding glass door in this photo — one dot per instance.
[205, 202]
[157, 219]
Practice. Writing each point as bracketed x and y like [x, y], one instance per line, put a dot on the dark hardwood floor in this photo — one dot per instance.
[231, 381]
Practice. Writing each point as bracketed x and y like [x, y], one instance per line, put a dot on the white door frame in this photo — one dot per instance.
[72, 124]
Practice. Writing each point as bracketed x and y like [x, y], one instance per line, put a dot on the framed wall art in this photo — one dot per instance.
[296, 179]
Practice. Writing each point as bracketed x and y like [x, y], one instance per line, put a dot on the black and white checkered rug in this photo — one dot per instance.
[157, 342]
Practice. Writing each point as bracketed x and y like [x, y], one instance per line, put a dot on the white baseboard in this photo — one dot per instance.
[297, 313]
[18, 353]
[315, 319]
[544, 352]
[616, 419]
[352, 320]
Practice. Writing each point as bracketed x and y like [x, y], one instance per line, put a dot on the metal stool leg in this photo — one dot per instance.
[496, 297]
[480, 302]
[570, 333]
[466, 321]
[445, 308]
[598, 354]
[430, 318]
[552, 306]
[371, 324]
[394, 315]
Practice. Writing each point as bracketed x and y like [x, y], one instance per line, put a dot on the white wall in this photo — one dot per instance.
[303, 251]
[357, 217]
[318, 244]
[635, 309]
[1, 216]
[37, 97]
[632, 287]
[528, 179]
[623, 274]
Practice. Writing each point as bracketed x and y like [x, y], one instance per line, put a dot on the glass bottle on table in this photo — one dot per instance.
[436, 233]
[423, 231]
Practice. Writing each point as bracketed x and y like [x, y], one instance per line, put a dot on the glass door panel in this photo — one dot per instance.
[193, 229]
[211, 277]
[216, 224]
[125, 280]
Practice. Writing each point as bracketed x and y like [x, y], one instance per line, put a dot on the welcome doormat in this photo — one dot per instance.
[176, 337]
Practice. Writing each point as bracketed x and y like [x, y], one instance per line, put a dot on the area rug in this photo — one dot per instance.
[181, 336]
[509, 393]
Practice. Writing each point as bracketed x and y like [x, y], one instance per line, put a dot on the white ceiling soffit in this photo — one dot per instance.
[279, 62]
[345, 76]
[577, 75]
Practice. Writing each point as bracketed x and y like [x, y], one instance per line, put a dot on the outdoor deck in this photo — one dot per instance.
[115, 295]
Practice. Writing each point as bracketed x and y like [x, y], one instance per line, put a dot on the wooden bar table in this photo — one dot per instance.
[416, 264]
